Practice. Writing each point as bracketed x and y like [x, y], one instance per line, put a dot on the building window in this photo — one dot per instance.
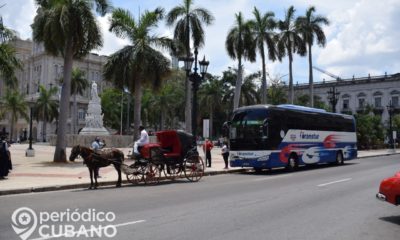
[361, 103]
[81, 114]
[346, 104]
[378, 102]
[395, 101]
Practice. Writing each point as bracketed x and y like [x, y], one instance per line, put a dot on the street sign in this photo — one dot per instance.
[206, 128]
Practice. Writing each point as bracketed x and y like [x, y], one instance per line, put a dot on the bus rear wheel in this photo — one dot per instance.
[339, 158]
[292, 163]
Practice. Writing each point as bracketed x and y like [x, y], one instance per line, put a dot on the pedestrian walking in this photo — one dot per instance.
[207, 146]
[225, 153]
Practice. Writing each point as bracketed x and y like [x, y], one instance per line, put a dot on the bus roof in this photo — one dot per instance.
[292, 108]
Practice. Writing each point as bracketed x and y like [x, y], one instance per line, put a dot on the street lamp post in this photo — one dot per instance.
[333, 97]
[30, 152]
[390, 109]
[196, 79]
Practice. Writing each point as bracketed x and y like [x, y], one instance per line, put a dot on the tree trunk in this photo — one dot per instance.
[74, 114]
[238, 86]
[138, 108]
[311, 81]
[291, 91]
[188, 84]
[264, 79]
[163, 116]
[188, 106]
[13, 120]
[44, 130]
[211, 120]
[61, 143]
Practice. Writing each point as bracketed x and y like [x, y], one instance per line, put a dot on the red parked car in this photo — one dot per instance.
[389, 190]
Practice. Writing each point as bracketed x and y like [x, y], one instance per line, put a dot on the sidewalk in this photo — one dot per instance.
[39, 173]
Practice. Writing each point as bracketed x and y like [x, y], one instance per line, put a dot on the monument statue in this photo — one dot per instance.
[94, 118]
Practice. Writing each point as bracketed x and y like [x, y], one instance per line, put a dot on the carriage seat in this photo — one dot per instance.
[170, 144]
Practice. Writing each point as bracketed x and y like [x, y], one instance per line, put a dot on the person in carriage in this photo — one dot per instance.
[144, 139]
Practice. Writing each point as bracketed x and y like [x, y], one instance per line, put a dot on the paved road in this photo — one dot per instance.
[324, 202]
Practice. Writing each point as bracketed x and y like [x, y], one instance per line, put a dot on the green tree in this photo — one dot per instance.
[46, 107]
[139, 63]
[67, 28]
[79, 84]
[263, 32]
[189, 22]
[111, 107]
[277, 92]
[304, 100]
[14, 104]
[9, 63]
[210, 95]
[370, 133]
[240, 45]
[310, 27]
[289, 42]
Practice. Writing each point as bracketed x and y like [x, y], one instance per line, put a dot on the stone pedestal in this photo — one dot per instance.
[94, 118]
[30, 152]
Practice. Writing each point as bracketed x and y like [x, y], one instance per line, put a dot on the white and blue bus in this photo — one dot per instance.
[265, 137]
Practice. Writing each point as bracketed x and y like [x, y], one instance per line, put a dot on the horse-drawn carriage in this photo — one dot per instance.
[175, 154]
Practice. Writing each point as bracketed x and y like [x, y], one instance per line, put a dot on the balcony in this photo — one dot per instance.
[378, 110]
[346, 111]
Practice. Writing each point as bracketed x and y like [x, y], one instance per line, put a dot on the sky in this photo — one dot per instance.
[362, 37]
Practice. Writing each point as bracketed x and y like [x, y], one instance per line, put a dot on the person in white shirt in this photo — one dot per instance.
[144, 139]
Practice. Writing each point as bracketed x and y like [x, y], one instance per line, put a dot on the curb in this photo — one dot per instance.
[86, 185]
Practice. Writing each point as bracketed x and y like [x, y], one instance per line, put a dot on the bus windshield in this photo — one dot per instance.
[251, 124]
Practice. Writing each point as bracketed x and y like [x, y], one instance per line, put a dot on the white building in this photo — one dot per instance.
[40, 68]
[355, 94]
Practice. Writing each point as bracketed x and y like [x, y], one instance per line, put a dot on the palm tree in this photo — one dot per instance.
[276, 93]
[262, 28]
[188, 25]
[79, 84]
[14, 103]
[311, 29]
[240, 44]
[46, 107]
[67, 28]
[289, 42]
[138, 63]
[8, 61]
[211, 94]
[250, 93]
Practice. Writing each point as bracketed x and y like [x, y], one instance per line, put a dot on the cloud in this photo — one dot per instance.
[363, 39]
[18, 15]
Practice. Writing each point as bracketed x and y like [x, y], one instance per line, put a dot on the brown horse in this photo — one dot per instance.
[95, 160]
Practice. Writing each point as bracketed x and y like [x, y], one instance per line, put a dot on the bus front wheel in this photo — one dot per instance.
[292, 163]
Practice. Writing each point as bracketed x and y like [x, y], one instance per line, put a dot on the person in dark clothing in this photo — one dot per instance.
[5, 158]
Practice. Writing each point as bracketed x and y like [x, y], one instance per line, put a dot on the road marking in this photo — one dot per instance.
[338, 181]
[90, 230]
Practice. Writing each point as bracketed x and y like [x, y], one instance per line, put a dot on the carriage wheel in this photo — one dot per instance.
[134, 178]
[153, 174]
[194, 168]
[174, 171]
[137, 176]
